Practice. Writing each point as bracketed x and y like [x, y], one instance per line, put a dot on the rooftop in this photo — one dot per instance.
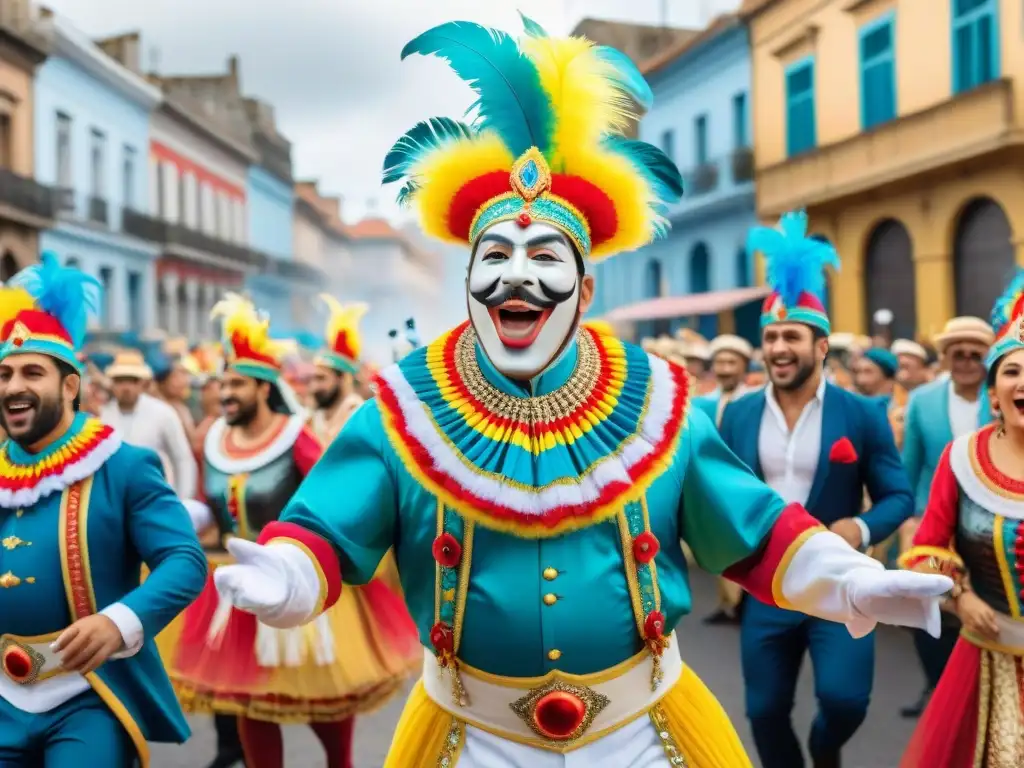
[719, 25]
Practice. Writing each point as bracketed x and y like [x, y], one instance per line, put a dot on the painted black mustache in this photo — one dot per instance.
[494, 296]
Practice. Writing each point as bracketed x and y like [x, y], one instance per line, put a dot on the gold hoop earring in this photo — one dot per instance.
[1001, 430]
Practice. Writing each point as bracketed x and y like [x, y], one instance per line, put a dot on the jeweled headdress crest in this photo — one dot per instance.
[1007, 320]
[546, 143]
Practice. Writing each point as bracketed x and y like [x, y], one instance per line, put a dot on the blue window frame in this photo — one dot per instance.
[700, 138]
[878, 71]
[975, 43]
[740, 139]
[801, 132]
[668, 142]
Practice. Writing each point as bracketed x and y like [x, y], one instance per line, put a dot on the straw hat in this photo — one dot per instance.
[910, 349]
[129, 364]
[730, 343]
[965, 328]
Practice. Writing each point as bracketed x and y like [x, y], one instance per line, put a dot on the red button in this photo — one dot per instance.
[558, 714]
[17, 663]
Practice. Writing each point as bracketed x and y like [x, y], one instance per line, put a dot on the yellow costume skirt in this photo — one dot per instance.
[349, 660]
[689, 713]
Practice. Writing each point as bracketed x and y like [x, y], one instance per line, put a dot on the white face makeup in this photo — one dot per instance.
[524, 296]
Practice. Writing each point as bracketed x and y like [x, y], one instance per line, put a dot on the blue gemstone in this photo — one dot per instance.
[530, 174]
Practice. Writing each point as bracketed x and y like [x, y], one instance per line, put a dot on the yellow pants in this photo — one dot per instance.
[689, 712]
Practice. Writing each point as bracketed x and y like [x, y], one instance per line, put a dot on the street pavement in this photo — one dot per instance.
[713, 652]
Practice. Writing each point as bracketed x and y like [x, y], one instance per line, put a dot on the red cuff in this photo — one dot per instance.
[761, 573]
[320, 552]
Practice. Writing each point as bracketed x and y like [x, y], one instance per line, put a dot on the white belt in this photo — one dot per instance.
[27, 661]
[492, 702]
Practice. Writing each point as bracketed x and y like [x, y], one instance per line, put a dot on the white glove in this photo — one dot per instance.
[200, 514]
[277, 583]
[903, 598]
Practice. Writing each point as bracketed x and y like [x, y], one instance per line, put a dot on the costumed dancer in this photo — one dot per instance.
[535, 477]
[80, 512]
[351, 658]
[817, 446]
[333, 382]
[973, 529]
[939, 412]
[730, 363]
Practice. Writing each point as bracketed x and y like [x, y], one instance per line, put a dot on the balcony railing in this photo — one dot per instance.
[742, 165]
[98, 210]
[64, 200]
[703, 179]
[295, 270]
[26, 195]
[168, 234]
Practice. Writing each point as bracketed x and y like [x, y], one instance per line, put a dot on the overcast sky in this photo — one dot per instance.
[331, 67]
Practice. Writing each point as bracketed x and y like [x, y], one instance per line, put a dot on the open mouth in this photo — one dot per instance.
[1018, 403]
[518, 323]
[18, 413]
[783, 365]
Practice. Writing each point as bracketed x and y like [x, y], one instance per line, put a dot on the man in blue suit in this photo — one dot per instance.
[938, 413]
[818, 445]
[81, 682]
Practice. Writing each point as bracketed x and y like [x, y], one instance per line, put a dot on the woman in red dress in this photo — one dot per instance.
[973, 529]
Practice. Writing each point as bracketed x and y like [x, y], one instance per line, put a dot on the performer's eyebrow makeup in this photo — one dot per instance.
[535, 242]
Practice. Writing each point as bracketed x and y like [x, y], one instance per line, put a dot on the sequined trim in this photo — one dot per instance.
[74, 549]
[236, 504]
[672, 750]
[642, 579]
[453, 742]
[988, 473]
[1000, 725]
[452, 584]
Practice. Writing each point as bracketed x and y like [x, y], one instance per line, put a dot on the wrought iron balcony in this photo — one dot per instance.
[170, 235]
[295, 270]
[703, 179]
[98, 210]
[26, 195]
[743, 165]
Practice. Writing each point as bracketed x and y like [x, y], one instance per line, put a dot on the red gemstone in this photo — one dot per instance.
[442, 637]
[446, 550]
[17, 663]
[524, 220]
[558, 714]
[654, 625]
[18, 341]
[645, 547]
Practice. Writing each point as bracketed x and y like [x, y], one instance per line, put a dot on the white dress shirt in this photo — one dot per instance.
[963, 414]
[154, 424]
[789, 459]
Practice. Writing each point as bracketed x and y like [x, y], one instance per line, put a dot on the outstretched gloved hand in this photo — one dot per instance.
[277, 583]
[903, 598]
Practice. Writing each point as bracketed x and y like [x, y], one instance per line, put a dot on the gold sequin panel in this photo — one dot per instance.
[1000, 712]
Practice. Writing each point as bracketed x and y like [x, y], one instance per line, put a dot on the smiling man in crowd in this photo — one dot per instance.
[80, 512]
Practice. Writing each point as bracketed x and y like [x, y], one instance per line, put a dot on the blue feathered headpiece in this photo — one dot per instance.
[795, 271]
[1007, 320]
[546, 143]
[62, 301]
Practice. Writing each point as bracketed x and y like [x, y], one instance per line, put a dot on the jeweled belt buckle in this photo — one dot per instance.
[560, 711]
[21, 663]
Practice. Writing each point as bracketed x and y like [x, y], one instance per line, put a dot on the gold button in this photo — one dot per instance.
[550, 574]
[550, 599]
[554, 654]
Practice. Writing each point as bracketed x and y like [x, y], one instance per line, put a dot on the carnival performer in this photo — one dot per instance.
[730, 363]
[972, 529]
[353, 657]
[818, 446]
[333, 385]
[80, 512]
[535, 477]
[938, 413]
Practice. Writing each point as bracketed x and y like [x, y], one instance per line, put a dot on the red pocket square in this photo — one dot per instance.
[843, 452]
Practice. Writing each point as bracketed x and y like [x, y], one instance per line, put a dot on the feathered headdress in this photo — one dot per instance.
[1007, 321]
[795, 272]
[546, 144]
[344, 344]
[246, 338]
[46, 309]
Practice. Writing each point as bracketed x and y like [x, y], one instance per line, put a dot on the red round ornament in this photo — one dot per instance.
[645, 547]
[442, 637]
[18, 341]
[558, 714]
[446, 550]
[654, 625]
[524, 220]
[17, 663]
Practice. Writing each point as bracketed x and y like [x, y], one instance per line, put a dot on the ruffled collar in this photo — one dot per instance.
[25, 477]
[221, 456]
[601, 426]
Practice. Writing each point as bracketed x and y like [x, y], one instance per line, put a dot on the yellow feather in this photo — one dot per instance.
[587, 103]
[241, 318]
[12, 302]
[445, 171]
[344, 318]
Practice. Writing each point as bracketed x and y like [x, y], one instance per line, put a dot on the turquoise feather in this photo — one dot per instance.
[795, 263]
[627, 76]
[656, 167]
[510, 99]
[1002, 313]
[67, 294]
[407, 193]
[423, 138]
[531, 27]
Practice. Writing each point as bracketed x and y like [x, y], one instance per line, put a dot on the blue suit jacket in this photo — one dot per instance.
[837, 492]
[927, 432]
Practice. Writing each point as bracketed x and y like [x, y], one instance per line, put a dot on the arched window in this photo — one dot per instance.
[742, 268]
[889, 277]
[700, 269]
[652, 280]
[983, 258]
[8, 266]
